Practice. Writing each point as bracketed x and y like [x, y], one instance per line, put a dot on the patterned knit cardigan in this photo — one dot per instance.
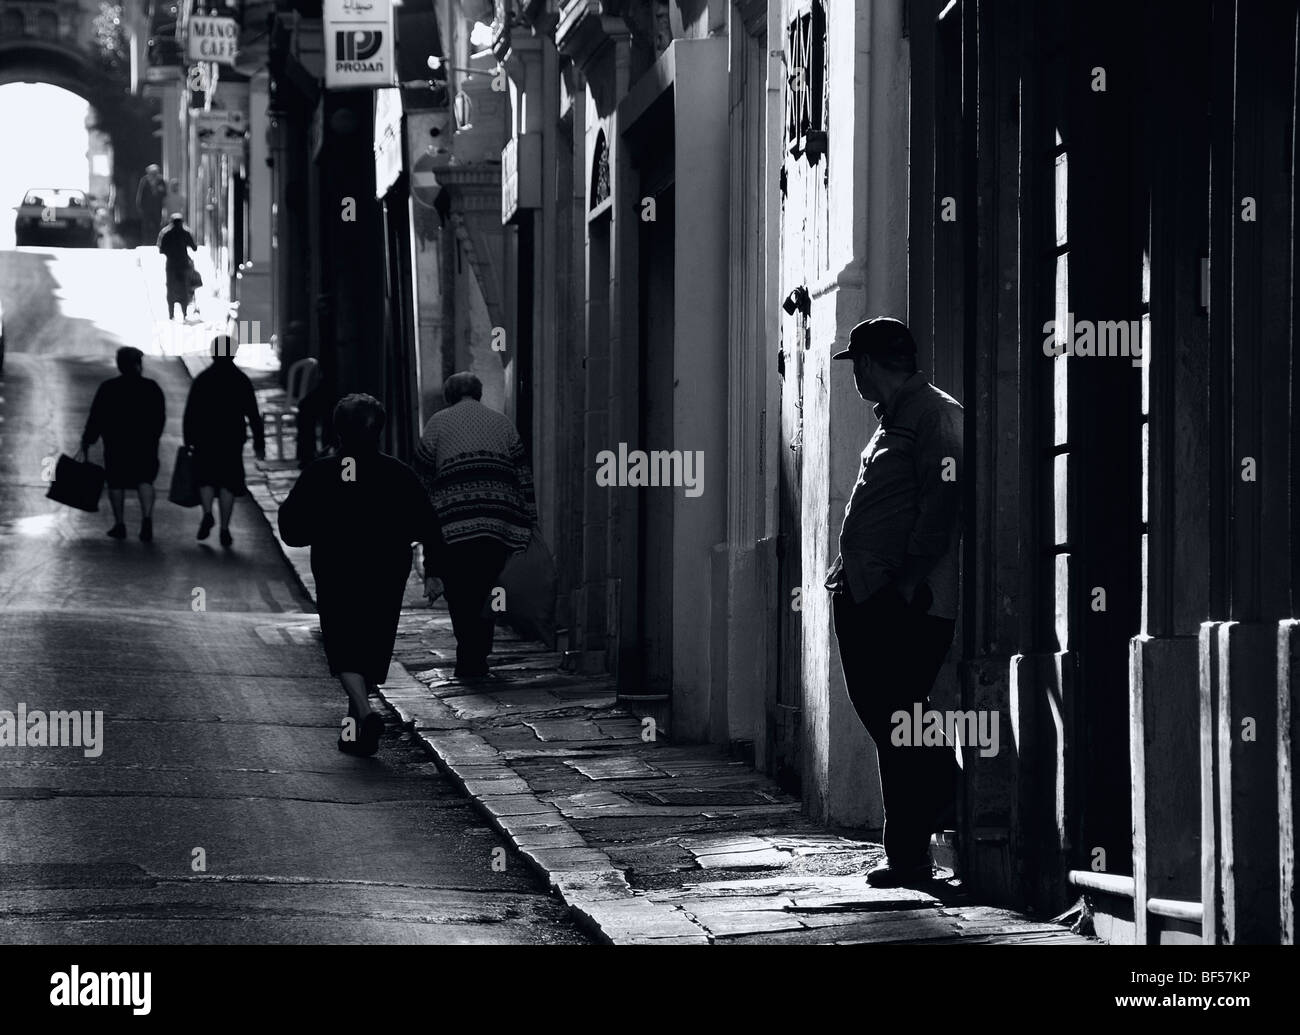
[473, 466]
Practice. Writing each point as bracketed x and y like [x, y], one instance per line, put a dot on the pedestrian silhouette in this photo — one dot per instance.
[175, 243]
[359, 510]
[150, 197]
[128, 413]
[474, 467]
[220, 407]
[894, 587]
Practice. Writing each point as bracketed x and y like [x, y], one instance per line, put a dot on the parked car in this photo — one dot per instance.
[48, 215]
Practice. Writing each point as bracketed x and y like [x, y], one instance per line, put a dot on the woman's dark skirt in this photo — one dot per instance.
[360, 604]
[221, 467]
[128, 467]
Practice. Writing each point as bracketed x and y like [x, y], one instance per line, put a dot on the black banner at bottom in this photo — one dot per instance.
[336, 984]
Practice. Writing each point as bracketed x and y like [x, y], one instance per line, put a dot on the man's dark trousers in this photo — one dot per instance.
[891, 653]
[469, 571]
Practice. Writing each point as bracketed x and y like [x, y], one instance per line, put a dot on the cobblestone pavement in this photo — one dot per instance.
[646, 840]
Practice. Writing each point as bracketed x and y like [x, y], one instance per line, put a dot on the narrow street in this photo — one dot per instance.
[853, 447]
[219, 810]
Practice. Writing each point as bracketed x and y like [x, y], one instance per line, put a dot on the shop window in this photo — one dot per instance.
[806, 84]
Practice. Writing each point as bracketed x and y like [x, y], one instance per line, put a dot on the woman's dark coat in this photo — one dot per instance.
[128, 413]
[220, 407]
[360, 533]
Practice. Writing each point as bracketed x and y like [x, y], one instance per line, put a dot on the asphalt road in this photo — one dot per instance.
[219, 725]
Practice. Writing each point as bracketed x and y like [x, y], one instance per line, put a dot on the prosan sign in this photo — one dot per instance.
[213, 39]
[358, 43]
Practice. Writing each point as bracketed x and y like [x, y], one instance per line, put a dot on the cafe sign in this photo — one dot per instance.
[213, 39]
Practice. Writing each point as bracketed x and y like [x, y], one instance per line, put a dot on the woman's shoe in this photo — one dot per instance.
[226, 538]
[205, 526]
[371, 729]
[146, 530]
[118, 531]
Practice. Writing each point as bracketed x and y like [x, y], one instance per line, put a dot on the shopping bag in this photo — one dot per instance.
[529, 581]
[184, 491]
[77, 483]
[193, 277]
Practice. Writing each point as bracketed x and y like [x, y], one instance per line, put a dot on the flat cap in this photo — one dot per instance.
[881, 335]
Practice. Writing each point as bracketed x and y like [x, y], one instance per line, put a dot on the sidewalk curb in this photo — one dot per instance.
[595, 892]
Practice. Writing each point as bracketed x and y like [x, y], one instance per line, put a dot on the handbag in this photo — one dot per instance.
[77, 483]
[193, 277]
[184, 491]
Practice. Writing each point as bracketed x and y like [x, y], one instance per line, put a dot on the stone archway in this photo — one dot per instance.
[124, 118]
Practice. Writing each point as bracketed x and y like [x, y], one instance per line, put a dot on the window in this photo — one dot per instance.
[805, 84]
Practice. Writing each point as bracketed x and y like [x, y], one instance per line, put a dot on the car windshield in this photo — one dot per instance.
[51, 198]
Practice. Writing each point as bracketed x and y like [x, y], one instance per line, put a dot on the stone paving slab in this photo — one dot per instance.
[620, 768]
[647, 841]
[767, 859]
[496, 786]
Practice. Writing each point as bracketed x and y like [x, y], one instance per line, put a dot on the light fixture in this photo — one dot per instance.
[462, 110]
[437, 64]
[480, 35]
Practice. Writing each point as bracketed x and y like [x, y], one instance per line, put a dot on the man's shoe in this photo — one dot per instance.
[118, 531]
[146, 530]
[888, 876]
[226, 539]
[205, 526]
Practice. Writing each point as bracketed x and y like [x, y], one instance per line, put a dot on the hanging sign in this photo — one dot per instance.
[213, 39]
[388, 139]
[221, 130]
[359, 44]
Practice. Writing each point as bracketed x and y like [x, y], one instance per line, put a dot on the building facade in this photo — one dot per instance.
[648, 224]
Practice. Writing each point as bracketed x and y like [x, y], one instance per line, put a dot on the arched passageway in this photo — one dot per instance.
[49, 53]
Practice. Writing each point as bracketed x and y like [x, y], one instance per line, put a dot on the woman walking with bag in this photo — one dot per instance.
[218, 411]
[359, 510]
[128, 413]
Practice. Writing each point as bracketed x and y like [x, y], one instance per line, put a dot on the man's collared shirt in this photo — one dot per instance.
[907, 499]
